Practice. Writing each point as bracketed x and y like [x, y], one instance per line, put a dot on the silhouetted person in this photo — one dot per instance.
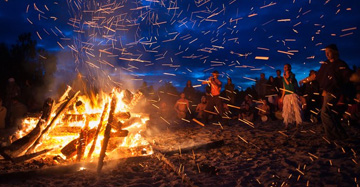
[230, 91]
[264, 112]
[17, 112]
[260, 86]
[247, 113]
[12, 90]
[332, 75]
[311, 93]
[278, 82]
[189, 91]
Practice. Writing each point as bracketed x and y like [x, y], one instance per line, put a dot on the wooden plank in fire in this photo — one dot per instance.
[99, 127]
[107, 134]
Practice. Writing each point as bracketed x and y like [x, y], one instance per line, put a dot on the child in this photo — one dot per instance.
[181, 106]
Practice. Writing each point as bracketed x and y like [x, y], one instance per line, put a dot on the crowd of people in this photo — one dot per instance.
[328, 95]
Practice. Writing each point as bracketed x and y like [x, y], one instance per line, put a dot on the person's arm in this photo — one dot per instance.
[176, 106]
[197, 108]
[187, 105]
[283, 93]
[308, 79]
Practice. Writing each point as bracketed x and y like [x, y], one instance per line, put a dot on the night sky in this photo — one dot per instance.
[179, 40]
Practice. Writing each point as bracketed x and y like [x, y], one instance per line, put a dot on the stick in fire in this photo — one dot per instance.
[107, 133]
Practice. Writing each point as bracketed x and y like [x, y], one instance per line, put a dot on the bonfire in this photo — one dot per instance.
[81, 128]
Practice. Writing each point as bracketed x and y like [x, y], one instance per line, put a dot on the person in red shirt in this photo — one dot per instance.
[214, 101]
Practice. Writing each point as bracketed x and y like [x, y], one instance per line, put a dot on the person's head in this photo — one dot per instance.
[203, 99]
[271, 79]
[229, 80]
[331, 52]
[215, 74]
[188, 83]
[11, 80]
[247, 97]
[182, 95]
[262, 76]
[287, 67]
[278, 73]
[312, 72]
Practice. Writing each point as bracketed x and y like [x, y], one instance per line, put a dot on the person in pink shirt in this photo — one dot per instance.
[214, 102]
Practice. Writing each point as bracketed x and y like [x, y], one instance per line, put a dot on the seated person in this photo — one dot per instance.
[201, 107]
[264, 111]
[181, 106]
[247, 113]
[352, 113]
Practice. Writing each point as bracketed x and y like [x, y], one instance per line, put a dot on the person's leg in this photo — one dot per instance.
[286, 110]
[297, 110]
[219, 107]
[330, 120]
[209, 107]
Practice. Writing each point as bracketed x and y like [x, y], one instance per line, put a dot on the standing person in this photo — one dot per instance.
[189, 91]
[260, 86]
[2, 115]
[181, 106]
[310, 91]
[278, 82]
[229, 91]
[332, 75]
[214, 101]
[291, 102]
[17, 112]
[12, 90]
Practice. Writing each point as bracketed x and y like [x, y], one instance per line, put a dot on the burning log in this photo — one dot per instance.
[83, 139]
[30, 156]
[122, 115]
[98, 130]
[107, 134]
[79, 117]
[61, 111]
[21, 145]
[119, 133]
[70, 149]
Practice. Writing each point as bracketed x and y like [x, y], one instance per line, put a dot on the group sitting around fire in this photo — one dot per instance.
[281, 97]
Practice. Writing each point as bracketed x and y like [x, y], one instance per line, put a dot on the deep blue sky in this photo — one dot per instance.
[183, 40]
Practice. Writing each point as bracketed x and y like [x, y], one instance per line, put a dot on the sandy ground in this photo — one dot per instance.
[184, 156]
